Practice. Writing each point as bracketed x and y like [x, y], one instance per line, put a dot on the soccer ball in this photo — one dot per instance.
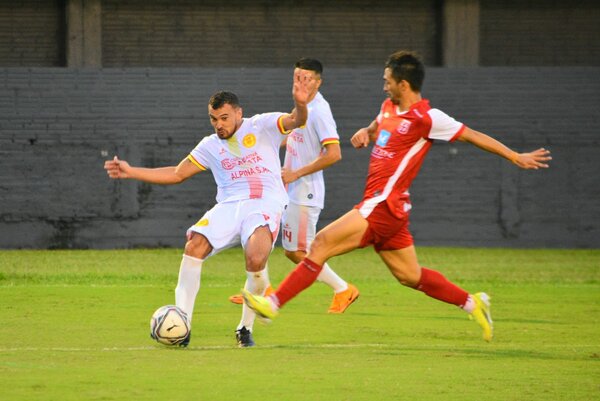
[169, 325]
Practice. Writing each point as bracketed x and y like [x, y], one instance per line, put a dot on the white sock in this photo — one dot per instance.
[188, 284]
[330, 278]
[469, 305]
[256, 283]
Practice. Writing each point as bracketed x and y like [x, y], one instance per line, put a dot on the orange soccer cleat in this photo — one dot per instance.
[341, 301]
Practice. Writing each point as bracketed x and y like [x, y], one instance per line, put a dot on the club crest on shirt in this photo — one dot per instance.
[383, 138]
[403, 127]
[249, 140]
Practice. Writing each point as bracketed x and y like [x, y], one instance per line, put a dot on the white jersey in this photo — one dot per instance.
[246, 165]
[304, 145]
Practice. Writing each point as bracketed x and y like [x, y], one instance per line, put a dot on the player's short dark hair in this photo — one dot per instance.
[310, 64]
[219, 99]
[407, 65]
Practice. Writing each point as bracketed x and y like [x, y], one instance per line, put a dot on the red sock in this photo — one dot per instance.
[298, 280]
[437, 286]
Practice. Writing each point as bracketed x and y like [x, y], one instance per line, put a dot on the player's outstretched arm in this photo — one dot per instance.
[536, 159]
[120, 169]
[363, 136]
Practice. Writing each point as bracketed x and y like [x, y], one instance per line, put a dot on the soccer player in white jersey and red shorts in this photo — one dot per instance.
[310, 149]
[403, 133]
[243, 156]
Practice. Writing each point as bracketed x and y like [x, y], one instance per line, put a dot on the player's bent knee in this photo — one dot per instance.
[407, 279]
[256, 262]
[197, 246]
[295, 256]
[320, 242]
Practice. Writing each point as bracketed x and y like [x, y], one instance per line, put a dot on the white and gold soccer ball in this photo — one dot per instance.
[169, 325]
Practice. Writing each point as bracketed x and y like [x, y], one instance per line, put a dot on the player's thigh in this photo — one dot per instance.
[341, 236]
[258, 248]
[259, 230]
[403, 264]
[299, 225]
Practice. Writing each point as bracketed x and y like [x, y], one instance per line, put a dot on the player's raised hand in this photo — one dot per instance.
[361, 138]
[116, 168]
[537, 159]
[304, 84]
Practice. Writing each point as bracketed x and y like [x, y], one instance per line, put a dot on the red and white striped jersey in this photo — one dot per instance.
[403, 140]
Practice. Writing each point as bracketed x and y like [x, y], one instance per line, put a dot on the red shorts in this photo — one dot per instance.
[386, 231]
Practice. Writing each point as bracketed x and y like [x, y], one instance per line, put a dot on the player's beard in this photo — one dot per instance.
[224, 134]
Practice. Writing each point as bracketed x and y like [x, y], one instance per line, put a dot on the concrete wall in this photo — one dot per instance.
[240, 33]
[539, 32]
[166, 33]
[32, 33]
[56, 124]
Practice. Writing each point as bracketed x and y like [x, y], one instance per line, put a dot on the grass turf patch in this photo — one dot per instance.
[76, 326]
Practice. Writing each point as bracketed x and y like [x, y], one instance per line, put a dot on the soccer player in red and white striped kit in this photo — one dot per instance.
[403, 133]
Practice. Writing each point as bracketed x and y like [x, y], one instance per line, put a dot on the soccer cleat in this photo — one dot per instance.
[244, 338]
[341, 301]
[482, 314]
[239, 299]
[261, 305]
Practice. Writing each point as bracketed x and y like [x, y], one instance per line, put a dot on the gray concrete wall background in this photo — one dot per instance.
[56, 122]
[190, 33]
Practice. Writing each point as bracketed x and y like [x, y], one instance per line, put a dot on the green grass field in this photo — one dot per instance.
[75, 327]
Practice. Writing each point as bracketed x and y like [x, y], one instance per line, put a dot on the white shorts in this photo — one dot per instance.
[232, 223]
[299, 226]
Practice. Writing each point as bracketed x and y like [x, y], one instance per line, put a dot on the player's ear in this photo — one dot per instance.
[404, 85]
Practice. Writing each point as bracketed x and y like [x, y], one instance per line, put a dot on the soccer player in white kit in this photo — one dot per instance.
[310, 149]
[243, 156]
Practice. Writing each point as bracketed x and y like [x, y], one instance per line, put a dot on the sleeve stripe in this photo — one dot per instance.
[460, 131]
[328, 141]
[195, 162]
[280, 125]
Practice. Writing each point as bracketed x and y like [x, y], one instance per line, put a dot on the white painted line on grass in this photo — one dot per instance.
[272, 346]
